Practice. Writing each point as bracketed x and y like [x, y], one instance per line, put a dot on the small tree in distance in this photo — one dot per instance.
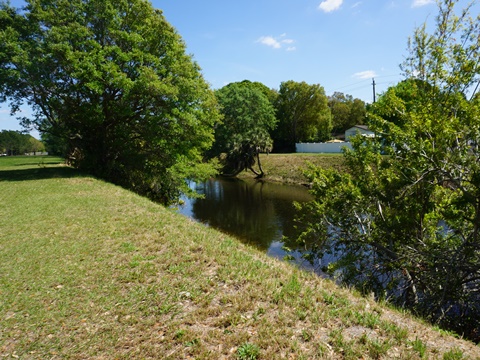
[346, 112]
[248, 117]
[303, 115]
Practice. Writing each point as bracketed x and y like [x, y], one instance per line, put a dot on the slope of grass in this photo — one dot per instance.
[91, 271]
[289, 168]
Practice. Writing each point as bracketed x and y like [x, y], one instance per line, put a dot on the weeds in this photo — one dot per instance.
[420, 347]
[454, 354]
[367, 319]
[130, 279]
[248, 351]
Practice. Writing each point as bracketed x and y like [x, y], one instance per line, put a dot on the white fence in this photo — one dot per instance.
[321, 147]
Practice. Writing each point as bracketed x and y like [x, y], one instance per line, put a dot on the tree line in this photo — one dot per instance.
[257, 119]
[111, 84]
[17, 143]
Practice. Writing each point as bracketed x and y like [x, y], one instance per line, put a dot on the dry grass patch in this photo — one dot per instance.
[289, 168]
[92, 271]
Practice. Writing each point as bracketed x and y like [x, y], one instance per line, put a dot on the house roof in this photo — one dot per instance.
[364, 127]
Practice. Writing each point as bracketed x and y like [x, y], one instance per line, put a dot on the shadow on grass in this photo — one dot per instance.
[39, 173]
[40, 163]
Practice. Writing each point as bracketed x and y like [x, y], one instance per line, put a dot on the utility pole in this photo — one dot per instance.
[373, 83]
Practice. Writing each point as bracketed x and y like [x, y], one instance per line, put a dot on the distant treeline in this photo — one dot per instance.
[17, 143]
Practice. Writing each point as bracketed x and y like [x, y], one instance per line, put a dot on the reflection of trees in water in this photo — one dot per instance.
[256, 212]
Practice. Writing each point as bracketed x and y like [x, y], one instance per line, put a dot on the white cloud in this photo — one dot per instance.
[330, 5]
[368, 74]
[269, 41]
[419, 3]
[276, 43]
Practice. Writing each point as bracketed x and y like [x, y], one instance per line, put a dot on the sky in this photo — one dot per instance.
[340, 44]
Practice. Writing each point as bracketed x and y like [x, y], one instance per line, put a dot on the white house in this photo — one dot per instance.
[358, 129]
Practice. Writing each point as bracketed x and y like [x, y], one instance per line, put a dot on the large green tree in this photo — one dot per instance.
[54, 145]
[113, 80]
[404, 221]
[303, 115]
[346, 112]
[248, 118]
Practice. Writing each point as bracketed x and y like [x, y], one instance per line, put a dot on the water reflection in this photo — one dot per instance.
[258, 213]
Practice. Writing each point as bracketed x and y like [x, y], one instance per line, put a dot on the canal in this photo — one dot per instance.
[258, 213]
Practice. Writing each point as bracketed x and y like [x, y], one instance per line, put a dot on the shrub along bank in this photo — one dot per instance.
[89, 270]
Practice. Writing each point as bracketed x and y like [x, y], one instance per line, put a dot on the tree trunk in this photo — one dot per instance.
[261, 174]
[411, 296]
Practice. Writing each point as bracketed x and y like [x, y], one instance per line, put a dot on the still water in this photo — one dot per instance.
[258, 213]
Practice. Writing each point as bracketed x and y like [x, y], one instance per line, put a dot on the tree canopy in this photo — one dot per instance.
[346, 112]
[303, 115]
[248, 117]
[404, 220]
[113, 80]
[17, 143]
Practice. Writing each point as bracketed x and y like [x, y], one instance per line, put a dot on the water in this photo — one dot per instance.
[258, 213]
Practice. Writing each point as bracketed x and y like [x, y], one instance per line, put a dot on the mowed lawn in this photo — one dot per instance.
[89, 270]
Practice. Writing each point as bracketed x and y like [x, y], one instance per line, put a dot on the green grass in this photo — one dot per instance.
[16, 162]
[90, 270]
[18, 168]
[289, 168]
[248, 351]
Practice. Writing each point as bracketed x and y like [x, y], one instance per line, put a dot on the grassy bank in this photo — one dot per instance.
[91, 271]
[288, 168]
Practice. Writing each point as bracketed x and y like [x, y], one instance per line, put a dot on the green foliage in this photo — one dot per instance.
[303, 115]
[248, 117]
[112, 80]
[271, 94]
[16, 143]
[455, 354]
[54, 145]
[420, 347]
[248, 351]
[404, 220]
[346, 112]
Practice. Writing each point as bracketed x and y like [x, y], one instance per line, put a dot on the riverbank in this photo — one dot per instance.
[90, 270]
[289, 168]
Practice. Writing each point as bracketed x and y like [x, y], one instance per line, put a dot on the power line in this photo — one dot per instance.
[357, 88]
[366, 80]
[359, 82]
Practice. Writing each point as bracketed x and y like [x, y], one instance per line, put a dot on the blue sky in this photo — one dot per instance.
[339, 44]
